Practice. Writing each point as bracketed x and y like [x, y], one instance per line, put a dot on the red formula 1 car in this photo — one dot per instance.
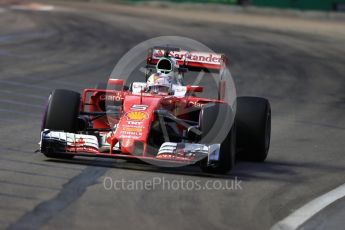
[159, 120]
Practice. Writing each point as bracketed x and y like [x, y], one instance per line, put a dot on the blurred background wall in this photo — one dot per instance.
[322, 5]
[326, 5]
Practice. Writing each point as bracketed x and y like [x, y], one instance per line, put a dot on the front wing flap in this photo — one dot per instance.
[89, 145]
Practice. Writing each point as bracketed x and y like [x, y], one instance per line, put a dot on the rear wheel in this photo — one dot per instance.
[61, 114]
[253, 121]
[217, 128]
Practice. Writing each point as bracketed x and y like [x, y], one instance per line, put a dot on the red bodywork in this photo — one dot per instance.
[134, 124]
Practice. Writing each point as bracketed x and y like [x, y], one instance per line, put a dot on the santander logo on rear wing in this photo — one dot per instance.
[188, 59]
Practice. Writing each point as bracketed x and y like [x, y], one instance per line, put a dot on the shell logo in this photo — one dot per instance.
[136, 116]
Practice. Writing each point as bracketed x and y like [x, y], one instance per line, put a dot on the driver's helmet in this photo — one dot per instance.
[167, 67]
[159, 83]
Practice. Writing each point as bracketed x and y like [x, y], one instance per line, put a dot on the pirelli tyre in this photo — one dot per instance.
[216, 125]
[253, 123]
[62, 111]
[61, 114]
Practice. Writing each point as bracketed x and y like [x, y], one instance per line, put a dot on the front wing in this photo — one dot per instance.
[89, 145]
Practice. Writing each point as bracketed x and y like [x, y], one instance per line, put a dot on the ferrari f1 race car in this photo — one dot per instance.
[160, 119]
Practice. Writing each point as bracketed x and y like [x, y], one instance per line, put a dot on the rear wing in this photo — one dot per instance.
[191, 60]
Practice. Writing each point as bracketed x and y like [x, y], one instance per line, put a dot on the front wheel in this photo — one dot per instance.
[61, 115]
[216, 125]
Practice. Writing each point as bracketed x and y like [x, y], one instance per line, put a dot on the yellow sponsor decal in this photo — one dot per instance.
[132, 129]
[136, 115]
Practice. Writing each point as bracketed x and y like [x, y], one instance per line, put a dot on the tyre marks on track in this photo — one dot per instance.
[14, 112]
[19, 184]
[71, 191]
[33, 174]
[28, 99]
[24, 85]
[61, 51]
[23, 95]
[13, 102]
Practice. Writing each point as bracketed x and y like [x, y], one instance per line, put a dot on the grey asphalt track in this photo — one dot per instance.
[300, 72]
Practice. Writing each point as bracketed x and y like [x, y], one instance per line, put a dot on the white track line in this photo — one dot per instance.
[300, 216]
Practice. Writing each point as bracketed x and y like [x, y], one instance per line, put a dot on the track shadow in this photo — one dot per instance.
[192, 170]
[283, 171]
[269, 170]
